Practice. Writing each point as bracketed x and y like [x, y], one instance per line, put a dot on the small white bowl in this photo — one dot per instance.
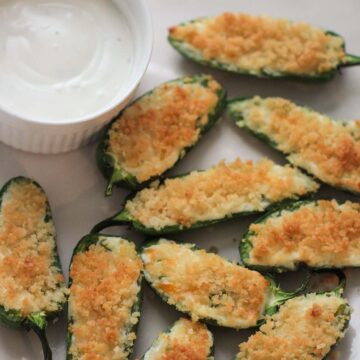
[39, 136]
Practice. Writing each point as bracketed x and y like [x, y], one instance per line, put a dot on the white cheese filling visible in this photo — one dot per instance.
[186, 340]
[205, 285]
[328, 149]
[306, 327]
[260, 44]
[320, 234]
[219, 192]
[30, 282]
[105, 288]
[151, 135]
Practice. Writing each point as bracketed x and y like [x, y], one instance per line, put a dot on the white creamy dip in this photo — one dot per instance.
[62, 59]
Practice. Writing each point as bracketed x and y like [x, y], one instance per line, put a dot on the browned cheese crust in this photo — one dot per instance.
[29, 280]
[151, 135]
[104, 289]
[324, 234]
[186, 340]
[328, 149]
[258, 43]
[205, 284]
[221, 191]
[305, 328]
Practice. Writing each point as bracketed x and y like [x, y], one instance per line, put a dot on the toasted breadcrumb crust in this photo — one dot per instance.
[151, 135]
[260, 44]
[205, 285]
[305, 328]
[186, 340]
[326, 148]
[29, 280]
[319, 234]
[216, 193]
[105, 287]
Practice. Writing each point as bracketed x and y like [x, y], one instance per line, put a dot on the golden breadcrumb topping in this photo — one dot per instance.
[324, 147]
[216, 193]
[305, 328]
[318, 234]
[29, 280]
[205, 285]
[105, 287]
[151, 135]
[186, 340]
[262, 44]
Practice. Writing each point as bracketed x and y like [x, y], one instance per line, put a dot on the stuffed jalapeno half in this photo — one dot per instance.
[262, 46]
[185, 340]
[208, 287]
[326, 149]
[305, 327]
[105, 298]
[32, 287]
[319, 234]
[152, 134]
[202, 198]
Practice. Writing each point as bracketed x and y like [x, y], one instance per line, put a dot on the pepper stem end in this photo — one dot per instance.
[351, 60]
[44, 342]
[117, 220]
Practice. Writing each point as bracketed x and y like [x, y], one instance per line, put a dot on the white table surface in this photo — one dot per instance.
[75, 186]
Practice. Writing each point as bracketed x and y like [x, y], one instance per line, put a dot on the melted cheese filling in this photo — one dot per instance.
[324, 147]
[186, 340]
[29, 281]
[258, 44]
[216, 193]
[205, 285]
[105, 287]
[151, 135]
[326, 234]
[305, 328]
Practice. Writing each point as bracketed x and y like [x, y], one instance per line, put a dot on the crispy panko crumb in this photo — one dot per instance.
[305, 328]
[30, 282]
[205, 284]
[152, 134]
[326, 148]
[186, 340]
[105, 287]
[262, 44]
[216, 193]
[325, 233]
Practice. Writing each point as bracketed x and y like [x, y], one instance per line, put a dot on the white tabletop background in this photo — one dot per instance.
[75, 186]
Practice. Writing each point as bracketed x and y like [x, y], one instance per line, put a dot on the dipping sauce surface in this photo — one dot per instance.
[62, 59]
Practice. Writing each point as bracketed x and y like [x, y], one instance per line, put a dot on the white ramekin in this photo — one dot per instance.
[51, 138]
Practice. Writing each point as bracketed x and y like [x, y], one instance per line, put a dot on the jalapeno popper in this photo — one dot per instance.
[186, 340]
[306, 327]
[327, 149]
[262, 46]
[154, 132]
[203, 198]
[319, 234]
[32, 287]
[105, 298]
[208, 287]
